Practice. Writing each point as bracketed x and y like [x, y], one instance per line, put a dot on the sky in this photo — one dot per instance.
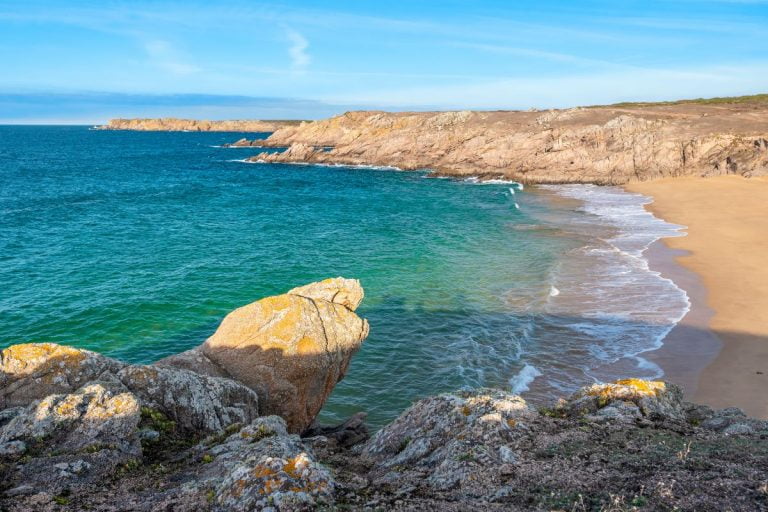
[87, 61]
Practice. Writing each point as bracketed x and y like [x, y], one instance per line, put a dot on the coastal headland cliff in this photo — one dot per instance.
[194, 125]
[229, 426]
[602, 145]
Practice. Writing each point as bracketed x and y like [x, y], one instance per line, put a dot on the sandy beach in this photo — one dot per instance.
[727, 248]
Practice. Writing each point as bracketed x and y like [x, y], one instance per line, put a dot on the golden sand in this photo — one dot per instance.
[727, 246]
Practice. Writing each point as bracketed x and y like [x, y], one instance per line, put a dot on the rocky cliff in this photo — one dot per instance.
[192, 125]
[604, 145]
[217, 428]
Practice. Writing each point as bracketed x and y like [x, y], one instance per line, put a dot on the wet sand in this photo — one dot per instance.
[727, 251]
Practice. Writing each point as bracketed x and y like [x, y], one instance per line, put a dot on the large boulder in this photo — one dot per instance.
[447, 441]
[291, 349]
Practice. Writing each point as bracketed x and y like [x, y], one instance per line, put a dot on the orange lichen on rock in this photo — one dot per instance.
[31, 357]
[643, 386]
[626, 389]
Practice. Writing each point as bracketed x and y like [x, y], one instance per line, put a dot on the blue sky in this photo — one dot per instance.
[78, 61]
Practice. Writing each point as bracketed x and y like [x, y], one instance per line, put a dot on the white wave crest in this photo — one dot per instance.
[521, 382]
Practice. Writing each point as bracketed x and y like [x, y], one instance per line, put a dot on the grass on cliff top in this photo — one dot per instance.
[726, 100]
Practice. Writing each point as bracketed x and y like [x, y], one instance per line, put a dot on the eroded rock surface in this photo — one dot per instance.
[195, 425]
[606, 145]
[630, 445]
[291, 349]
[198, 433]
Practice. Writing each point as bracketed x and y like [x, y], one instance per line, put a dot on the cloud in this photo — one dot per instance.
[163, 55]
[538, 54]
[298, 50]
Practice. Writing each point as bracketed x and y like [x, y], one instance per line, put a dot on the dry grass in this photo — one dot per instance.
[727, 100]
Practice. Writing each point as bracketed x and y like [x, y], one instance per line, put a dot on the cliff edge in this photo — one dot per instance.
[602, 145]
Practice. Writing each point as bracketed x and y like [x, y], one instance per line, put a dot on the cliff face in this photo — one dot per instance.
[604, 145]
[192, 125]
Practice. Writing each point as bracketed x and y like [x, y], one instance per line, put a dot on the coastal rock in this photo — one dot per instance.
[98, 414]
[627, 399]
[474, 449]
[351, 432]
[346, 292]
[487, 449]
[291, 349]
[33, 371]
[604, 145]
[263, 466]
[197, 403]
[443, 441]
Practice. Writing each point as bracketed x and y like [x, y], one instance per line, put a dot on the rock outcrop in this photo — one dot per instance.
[70, 418]
[192, 125]
[291, 349]
[631, 445]
[195, 402]
[604, 145]
[203, 431]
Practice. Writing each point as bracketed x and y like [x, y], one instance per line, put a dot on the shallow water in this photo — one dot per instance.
[136, 244]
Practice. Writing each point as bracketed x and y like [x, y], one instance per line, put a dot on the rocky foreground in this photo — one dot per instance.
[229, 426]
[193, 125]
[603, 145]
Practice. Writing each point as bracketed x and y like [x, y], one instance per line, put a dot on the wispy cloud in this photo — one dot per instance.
[538, 54]
[298, 50]
[163, 55]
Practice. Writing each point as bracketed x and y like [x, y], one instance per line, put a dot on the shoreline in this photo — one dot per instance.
[690, 346]
[721, 265]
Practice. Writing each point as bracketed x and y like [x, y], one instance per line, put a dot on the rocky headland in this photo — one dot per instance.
[193, 125]
[602, 145]
[229, 425]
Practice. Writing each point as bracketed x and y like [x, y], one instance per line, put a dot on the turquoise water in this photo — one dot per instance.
[136, 244]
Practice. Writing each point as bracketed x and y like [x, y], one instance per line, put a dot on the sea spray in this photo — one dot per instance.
[520, 382]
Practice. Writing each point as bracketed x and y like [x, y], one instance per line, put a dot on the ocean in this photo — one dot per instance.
[137, 244]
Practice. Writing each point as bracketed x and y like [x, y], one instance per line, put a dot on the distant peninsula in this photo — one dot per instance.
[173, 124]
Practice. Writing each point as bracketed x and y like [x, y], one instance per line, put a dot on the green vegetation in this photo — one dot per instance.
[157, 420]
[261, 432]
[129, 466]
[61, 500]
[223, 435]
[727, 100]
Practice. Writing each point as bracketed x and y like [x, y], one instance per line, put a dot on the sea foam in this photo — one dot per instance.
[520, 383]
[609, 299]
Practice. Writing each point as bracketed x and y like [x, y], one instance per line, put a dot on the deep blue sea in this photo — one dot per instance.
[137, 244]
